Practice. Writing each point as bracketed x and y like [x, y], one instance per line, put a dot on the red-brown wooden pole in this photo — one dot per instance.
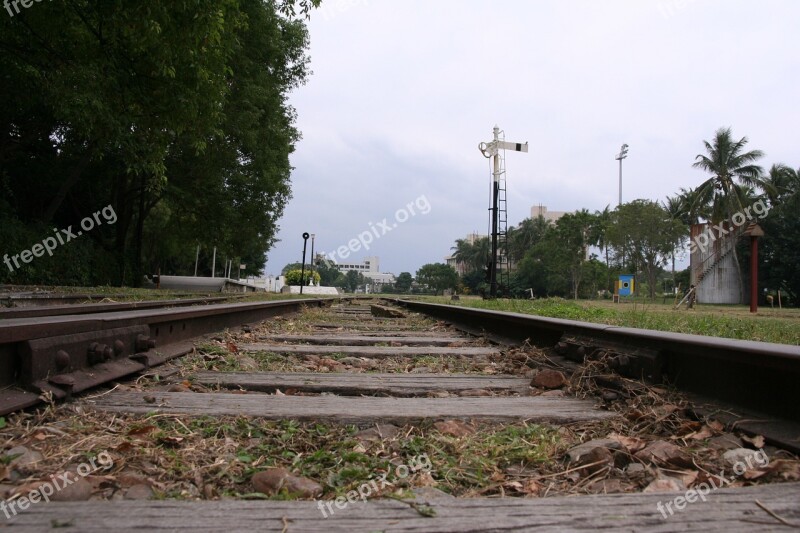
[754, 274]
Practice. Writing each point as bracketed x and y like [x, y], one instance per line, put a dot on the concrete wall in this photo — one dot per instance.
[721, 284]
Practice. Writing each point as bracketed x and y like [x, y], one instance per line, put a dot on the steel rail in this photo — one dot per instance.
[106, 307]
[61, 355]
[759, 376]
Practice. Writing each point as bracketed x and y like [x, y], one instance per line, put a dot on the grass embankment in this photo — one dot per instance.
[732, 322]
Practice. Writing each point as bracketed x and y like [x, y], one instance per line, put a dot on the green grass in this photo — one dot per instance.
[732, 322]
[330, 454]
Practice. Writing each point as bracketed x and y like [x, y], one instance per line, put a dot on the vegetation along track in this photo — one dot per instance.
[449, 421]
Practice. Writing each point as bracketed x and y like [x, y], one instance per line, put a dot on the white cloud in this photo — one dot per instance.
[403, 92]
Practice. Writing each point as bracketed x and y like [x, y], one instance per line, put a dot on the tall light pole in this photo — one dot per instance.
[623, 154]
[312, 255]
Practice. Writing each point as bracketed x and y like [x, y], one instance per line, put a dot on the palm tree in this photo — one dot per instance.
[691, 208]
[732, 169]
[602, 220]
[677, 209]
[526, 236]
[783, 181]
[474, 255]
[734, 175]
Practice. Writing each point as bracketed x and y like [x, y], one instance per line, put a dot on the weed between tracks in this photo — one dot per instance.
[210, 458]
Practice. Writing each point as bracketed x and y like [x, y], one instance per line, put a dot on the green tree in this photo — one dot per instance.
[732, 170]
[142, 106]
[292, 266]
[298, 277]
[533, 273]
[598, 237]
[645, 232]
[555, 265]
[403, 282]
[779, 249]
[354, 280]
[595, 277]
[734, 175]
[524, 237]
[784, 181]
[475, 282]
[573, 235]
[473, 255]
[437, 276]
[676, 209]
[328, 274]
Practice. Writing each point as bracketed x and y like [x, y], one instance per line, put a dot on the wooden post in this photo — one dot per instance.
[754, 232]
[753, 274]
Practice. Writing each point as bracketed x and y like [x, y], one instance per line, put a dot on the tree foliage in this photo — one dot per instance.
[472, 254]
[174, 113]
[437, 276]
[298, 277]
[647, 235]
[403, 282]
[733, 171]
[353, 280]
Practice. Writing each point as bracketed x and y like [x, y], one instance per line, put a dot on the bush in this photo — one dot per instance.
[294, 277]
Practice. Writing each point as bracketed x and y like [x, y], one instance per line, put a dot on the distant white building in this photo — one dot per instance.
[370, 267]
[269, 284]
[541, 211]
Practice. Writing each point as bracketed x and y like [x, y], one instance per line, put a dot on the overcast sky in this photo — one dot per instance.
[403, 91]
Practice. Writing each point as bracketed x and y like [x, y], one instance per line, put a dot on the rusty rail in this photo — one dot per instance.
[756, 376]
[84, 309]
[61, 355]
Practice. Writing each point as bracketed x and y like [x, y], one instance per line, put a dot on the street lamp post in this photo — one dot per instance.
[311, 265]
[303, 268]
[623, 154]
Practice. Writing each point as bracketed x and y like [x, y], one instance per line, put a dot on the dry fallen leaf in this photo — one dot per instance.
[498, 476]
[171, 441]
[141, 431]
[788, 470]
[704, 433]
[513, 485]
[631, 443]
[667, 409]
[688, 477]
[662, 485]
[531, 487]
[752, 474]
[425, 479]
[757, 441]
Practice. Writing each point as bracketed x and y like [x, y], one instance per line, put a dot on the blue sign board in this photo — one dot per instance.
[626, 285]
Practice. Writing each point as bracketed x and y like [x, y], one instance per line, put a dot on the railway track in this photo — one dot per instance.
[357, 394]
